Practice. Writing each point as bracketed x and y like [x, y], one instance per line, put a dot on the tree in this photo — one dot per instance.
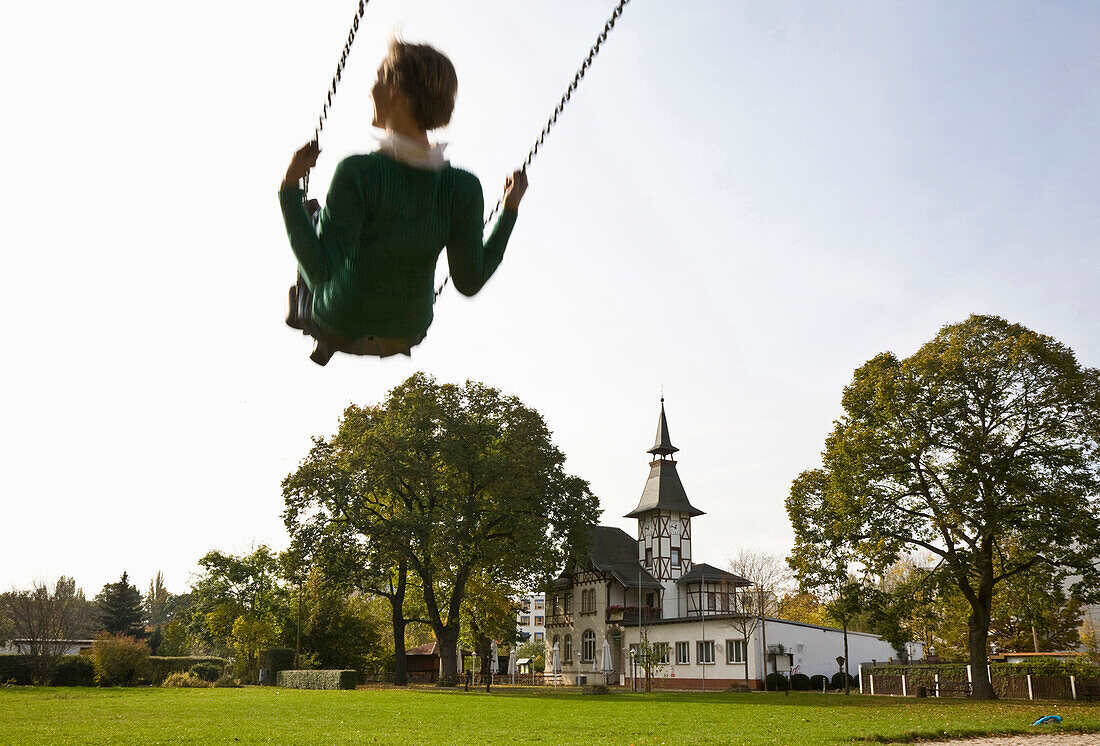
[987, 438]
[44, 621]
[120, 608]
[444, 481]
[769, 576]
[157, 602]
[246, 588]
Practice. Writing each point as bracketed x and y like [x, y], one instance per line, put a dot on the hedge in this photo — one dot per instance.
[318, 679]
[838, 681]
[16, 669]
[818, 682]
[800, 682]
[72, 670]
[160, 667]
[275, 660]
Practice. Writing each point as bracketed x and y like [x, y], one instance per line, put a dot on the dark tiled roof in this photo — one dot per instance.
[662, 446]
[615, 552]
[701, 569]
[663, 491]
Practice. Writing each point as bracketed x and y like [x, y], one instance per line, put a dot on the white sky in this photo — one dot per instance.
[744, 202]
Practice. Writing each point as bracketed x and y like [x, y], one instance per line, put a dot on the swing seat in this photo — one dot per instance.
[299, 315]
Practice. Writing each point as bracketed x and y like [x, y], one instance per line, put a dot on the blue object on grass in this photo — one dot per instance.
[1048, 719]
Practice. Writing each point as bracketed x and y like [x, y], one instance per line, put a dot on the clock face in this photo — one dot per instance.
[647, 529]
[674, 527]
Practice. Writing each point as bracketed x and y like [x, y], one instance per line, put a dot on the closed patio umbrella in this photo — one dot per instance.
[512, 664]
[555, 666]
[605, 658]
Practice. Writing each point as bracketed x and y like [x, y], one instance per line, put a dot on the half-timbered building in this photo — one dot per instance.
[645, 597]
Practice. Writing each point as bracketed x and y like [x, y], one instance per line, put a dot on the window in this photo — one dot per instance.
[525, 621]
[704, 651]
[539, 604]
[660, 652]
[711, 601]
[588, 601]
[525, 604]
[567, 653]
[648, 557]
[649, 599]
[736, 651]
[569, 602]
[683, 652]
[538, 620]
[538, 637]
[588, 646]
[675, 556]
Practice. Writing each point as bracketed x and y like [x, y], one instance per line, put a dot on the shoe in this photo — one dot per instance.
[322, 353]
[293, 320]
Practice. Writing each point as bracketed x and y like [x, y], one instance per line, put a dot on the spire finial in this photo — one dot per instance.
[663, 445]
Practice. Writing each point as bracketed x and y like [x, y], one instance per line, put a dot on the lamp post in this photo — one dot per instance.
[633, 671]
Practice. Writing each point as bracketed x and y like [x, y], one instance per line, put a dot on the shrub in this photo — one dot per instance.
[226, 681]
[158, 668]
[776, 682]
[119, 660]
[207, 671]
[186, 680]
[318, 679]
[838, 681]
[819, 681]
[800, 682]
[597, 689]
[74, 670]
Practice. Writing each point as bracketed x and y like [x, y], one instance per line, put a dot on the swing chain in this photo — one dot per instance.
[566, 97]
[335, 80]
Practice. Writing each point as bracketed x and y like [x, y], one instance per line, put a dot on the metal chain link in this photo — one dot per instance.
[566, 97]
[335, 80]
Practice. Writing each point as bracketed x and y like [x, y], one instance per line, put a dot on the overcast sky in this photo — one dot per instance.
[744, 202]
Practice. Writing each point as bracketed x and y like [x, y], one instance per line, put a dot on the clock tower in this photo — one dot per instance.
[664, 518]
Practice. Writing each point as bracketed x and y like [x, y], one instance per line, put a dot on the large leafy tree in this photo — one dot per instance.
[239, 605]
[445, 481]
[988, 437]
[121, 608]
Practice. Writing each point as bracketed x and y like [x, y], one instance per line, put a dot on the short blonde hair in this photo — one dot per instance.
[426, 77]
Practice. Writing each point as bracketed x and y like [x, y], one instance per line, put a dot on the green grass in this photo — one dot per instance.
[424, 715]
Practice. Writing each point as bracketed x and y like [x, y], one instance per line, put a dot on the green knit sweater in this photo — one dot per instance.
[371, 262]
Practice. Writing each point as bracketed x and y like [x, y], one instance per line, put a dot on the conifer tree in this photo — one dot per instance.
[120, 608]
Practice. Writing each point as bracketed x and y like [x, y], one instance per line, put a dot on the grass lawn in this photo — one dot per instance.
[426, 715]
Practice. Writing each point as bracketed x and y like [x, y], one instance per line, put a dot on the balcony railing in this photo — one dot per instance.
[627, 615]
[559, 620]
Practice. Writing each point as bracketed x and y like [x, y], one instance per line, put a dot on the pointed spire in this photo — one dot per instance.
[663, 445]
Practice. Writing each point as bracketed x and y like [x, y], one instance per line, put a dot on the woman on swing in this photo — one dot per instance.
[369, 265]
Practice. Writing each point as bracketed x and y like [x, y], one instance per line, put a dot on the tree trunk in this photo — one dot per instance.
[847, 670]
[397, 606]
[447, 637]
[981, 687]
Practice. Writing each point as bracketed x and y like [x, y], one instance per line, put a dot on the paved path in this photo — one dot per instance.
[1046, 739]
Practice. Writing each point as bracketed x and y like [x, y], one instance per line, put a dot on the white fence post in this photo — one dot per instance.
[904, 693]
[1073, 686]
[936, 681]
[1030, 693]
[970, 676]
[861, 678]
[871, 678]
